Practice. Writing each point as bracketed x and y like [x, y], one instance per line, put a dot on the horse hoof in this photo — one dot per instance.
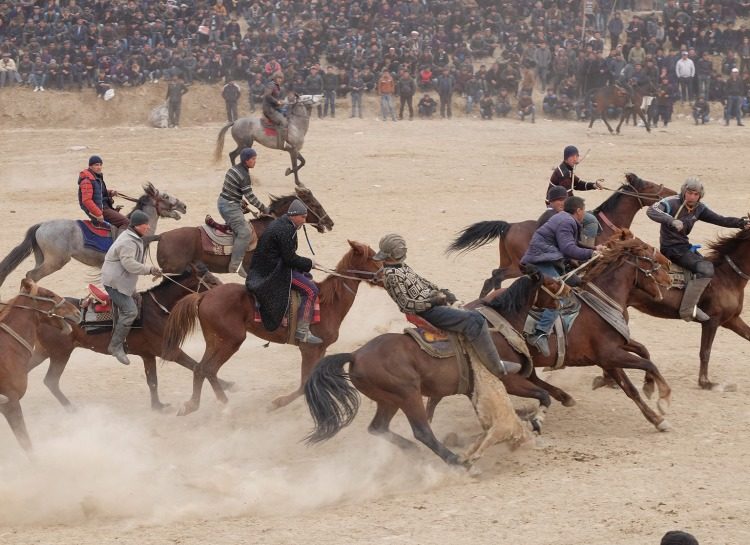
[228, 385]
[288, 172]
[663, 405]
[598, 382]
[160, 407]
[664, 426]
[70, 408]
[536, 426]
[186, 409]
[570, 402]
[731, 387]
[451, 439]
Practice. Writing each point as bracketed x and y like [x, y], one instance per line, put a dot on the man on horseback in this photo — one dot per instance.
[551, 245]
[276, 268]
[95, 199]
[415, 295]
[556, 202]
[237, 185]
[677, 215]
[564, 175]
[273, 101]
[122, 265]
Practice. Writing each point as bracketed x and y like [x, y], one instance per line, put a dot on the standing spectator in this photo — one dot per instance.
[426, 107]
[231, 95]
[615, 28]
[406, 89]
[314, 86]
[255, 92]
[543, 59]
[685, 72]
[445, 85]
[664, 102]
[473, 93]
[356, 88]
[330, 85]
[744, 53]
[386, 89]
[701, 110]
[735, 91]
[703, 70]
[8, 73]
[175, 90]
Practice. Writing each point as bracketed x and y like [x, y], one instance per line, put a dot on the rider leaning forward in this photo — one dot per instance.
[95, 199]
[677, 215]
[415, 295]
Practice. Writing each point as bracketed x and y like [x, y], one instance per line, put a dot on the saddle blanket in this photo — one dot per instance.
[292, 315]
[269, 128]
[94, 237]
[216, 241]
[442, 348]
[679, 276]
[98, 317]
[563, 325]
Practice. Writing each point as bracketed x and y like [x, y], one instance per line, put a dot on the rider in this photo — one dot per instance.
[677, 215]
[95, 199]
[122, 265]
[564, 175]
[276, 267]
[415, 295]
[237, 184]
[551, 245]
[555, 203]
[273, 101]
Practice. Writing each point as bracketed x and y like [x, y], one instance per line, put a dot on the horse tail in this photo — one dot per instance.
[19, 253]
[332, 400]
[478, 234]
[181, 323]
[220, 142]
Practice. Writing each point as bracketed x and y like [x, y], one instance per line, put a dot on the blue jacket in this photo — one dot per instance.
[556, 240]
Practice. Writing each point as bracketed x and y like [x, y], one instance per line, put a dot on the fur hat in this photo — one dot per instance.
[391, 246]
[297, 208]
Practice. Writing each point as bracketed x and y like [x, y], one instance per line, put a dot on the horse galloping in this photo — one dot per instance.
[20, 319]
[55, 242]
[629, 101]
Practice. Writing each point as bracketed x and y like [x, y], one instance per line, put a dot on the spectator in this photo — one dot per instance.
[314, 86]
[255, 92]
[615, 28]
[685, 72]
[175, 90]
[445, 85]
[38, 75]
[550, 103]
[526, 107]
[406, 90]
[701, 111]
[386, 89]
[486, 107]
[473, 93]
[426, 107]
[330, 85]
[664, 103]
[8, 73]
[502, 104]
[735, 90]
[231, 95]
[356, 88]
[703, 70]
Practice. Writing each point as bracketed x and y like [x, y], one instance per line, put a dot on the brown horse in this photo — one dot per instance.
[145, 341]
[180, 247]
[226, 316]
[395, 373]
[614, 96]
[20, 320]
[617, 212]
[627, 264]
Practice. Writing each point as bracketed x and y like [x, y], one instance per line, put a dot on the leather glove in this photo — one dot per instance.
[678, 225]
[438, 299]
[449, 297]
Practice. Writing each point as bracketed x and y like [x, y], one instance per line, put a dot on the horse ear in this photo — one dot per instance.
[27, 285]
[356, 246]
[149, 188]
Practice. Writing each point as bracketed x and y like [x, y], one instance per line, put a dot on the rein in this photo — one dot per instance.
[735, 268]
[201, 283]
[637, 194]
[50, 313]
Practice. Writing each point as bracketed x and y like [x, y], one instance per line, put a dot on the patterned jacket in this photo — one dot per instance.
[410, 291]
[563, 176]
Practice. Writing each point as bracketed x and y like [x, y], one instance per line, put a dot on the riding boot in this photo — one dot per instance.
[689, 310]
[540, 341]
[236, 266]
[119, 333]
[304, 335]
[487, 352]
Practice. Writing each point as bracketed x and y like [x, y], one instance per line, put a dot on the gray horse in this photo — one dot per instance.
[55, 242]
[247, 130]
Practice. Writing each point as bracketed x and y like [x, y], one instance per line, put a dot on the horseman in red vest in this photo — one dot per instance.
[95, 199]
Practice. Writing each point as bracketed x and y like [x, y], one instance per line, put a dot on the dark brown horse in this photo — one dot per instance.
[617, 212]
[20, 319]
[145, 341]
[614, 96]
[226, 317]
[180, 247]
[395, 373]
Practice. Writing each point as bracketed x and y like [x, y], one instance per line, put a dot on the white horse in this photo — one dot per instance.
[247, 130]
[55, 242]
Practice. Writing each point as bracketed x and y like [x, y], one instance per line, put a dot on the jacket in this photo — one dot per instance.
[408, 290]
[556, 240]
[675, 243]
[386, 86]
[93, 195]
[684, 68]
[124, 262]
[563, 176]
[270, 276]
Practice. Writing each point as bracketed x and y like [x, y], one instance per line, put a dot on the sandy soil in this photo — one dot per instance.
[114, 472]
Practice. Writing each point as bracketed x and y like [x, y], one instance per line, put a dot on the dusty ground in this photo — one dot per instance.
[114, 472]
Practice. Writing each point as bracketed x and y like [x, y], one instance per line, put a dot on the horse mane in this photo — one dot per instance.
[142, 201]
[516, 298]
[612, 201]
[6, 308]
[277, 203]
[726, 245]
[615, 251]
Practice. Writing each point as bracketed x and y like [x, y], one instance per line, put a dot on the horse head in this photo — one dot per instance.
[55, 310]
[315, 211]
[166, 205]
[652, 268]
[650, 192]
[358, 262]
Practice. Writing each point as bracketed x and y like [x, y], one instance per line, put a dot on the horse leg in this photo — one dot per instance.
[310, 356]
[381, 422]
[415, 412]
[643, 118]
[189, 363]
[623, 115]
[235, 153]
[708, 333]
[606, 381]
[494, 282]
[47, 266]
[630, 390]
[149, 366]
[432, 404]
[52, 380]
[520, 386]
[14, 415]
[604, 118]
[631, 361]
[560, 395]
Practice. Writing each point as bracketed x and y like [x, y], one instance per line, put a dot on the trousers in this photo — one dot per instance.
[309, 292]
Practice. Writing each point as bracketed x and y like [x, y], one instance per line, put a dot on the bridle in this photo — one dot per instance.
[201, 284]
[50, 313]
[647, 272]
[349, 276]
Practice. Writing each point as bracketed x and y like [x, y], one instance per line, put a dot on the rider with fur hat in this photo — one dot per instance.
[273, 101]
[276, 268]
[415, 295]
[95, 199]
[677, 215]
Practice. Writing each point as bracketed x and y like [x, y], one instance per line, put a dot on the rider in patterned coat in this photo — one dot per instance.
[415, 295]
[677, 215]
[95, 199]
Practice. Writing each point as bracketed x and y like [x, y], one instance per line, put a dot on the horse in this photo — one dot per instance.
[55, 242]
[20, 320]
[226, 315]
[395, 373]
[593, 341]
[182, 246]
[603, 98]
[145, 341]
[247, 130]
[617, 212]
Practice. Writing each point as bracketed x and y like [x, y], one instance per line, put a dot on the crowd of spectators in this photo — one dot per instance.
[491, 55]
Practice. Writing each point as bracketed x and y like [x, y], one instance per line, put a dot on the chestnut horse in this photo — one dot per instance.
[180, 247]
[617, 212]
[145, 341]
[20, 320]
[614, 96]
[395, 373]
[226, 315]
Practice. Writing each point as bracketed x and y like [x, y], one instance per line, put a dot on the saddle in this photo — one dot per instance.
[563, 325]
[218, 239]
[291, 318]
[679, 276]
[98, 313]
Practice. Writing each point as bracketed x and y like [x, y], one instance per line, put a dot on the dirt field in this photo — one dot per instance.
[114, 472]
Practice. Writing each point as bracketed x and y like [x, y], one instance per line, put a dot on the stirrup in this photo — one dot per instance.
[540, 341]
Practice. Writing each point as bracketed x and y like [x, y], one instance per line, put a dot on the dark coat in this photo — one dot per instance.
[270, 276]
[556, 240]
[563, 176]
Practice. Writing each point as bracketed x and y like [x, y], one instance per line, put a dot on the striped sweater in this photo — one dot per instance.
[237, 184]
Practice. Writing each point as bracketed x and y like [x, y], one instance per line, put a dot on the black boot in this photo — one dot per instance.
[689, 310]
[487, 352]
